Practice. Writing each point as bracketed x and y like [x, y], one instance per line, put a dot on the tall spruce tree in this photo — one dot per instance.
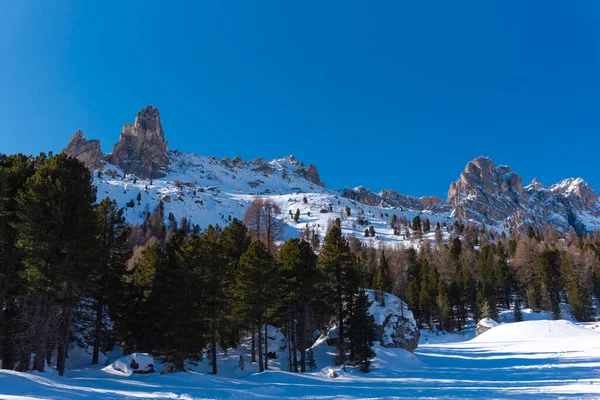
[14, 172]
[256, 290]
[109, 272]
[361, 332]
[55, 235]
[299, 270]
[341, 281]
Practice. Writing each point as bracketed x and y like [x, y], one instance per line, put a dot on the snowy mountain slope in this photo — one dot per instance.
[207, 190]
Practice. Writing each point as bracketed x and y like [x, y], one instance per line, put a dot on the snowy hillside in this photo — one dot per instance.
[208, 190]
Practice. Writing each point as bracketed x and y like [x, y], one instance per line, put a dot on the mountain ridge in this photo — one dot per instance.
[484, 193]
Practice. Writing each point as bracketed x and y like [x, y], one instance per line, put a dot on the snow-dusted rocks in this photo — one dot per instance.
[394, 323]
[484, 325]
[135, 363]
[487, 194]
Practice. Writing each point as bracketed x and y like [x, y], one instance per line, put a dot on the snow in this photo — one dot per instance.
[488, 323]
[123, 365]
[536, 358]
[205, 190]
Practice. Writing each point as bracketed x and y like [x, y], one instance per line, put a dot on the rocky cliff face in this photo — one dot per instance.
[141, 149]
[391, 198]
[496, 196]
[87, 151]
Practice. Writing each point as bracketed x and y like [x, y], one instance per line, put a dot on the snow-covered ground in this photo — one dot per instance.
[537, 358]
[205, 190]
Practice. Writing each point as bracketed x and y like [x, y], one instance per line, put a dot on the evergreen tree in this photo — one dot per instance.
[383, 280]
[517, 312]
[138, 323]
[361, 332]
[55, 235]
[299, 270]
[341, 280]
[112, 253]
[14, 172]
[256, 290]
[297, 215]
[179, 299]
[416, 223]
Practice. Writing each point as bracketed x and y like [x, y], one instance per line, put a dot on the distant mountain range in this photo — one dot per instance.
[208, 190]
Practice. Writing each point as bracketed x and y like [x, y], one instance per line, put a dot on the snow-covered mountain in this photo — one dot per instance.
[207, 190]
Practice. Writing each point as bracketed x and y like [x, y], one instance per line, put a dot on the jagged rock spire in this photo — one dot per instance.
[142, 149]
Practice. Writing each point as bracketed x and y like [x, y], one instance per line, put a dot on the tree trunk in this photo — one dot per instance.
[253, 350]
[295, 343]
[341, 340]
[214, 341]
[41, 336]
[289, 343]
[261, 366]
[266, 348]
[98, 332]
[64, 342]
[302, 340]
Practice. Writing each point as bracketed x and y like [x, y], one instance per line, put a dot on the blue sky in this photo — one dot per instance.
[392, 94]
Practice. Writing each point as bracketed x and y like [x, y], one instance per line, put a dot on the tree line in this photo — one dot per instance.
[169, 290]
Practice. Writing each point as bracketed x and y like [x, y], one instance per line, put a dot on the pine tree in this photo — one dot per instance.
[372, 231]
[256, 289]
[14, 172]
[138, 323]
[55, 235]
[217, 274]
[416, 223]
[361, 333]
[383, 280]
[517, 312]
[301, 276]
[297, 215]
[178, 304]
[341, 281]
[112, 254]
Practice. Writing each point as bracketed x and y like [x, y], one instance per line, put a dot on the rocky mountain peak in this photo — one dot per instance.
[142, 149]
[486, 193]
[87, 151]
[579, 189]
[311, 174]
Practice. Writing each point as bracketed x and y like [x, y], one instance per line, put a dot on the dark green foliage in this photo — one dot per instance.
[372, 231]
[301, 279]
[257, 288]
[341, 280]
[111, 257]
[361, 332]
[517, 312]
[55, 224]
[416, 223]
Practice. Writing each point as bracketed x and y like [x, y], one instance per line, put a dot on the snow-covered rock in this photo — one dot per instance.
[141, 363]
[395, 324]
[484, 325]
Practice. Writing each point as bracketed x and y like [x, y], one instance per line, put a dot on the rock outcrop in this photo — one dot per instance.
[393, 199]
[395, 325]
[496, 196]
[87, 151]
[485, 325]
[142, 149]
[311, 174]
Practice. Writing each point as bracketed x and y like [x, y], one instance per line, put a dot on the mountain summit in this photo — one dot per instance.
[219, 189]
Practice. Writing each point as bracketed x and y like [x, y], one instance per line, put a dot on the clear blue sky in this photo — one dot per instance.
[392, 94]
